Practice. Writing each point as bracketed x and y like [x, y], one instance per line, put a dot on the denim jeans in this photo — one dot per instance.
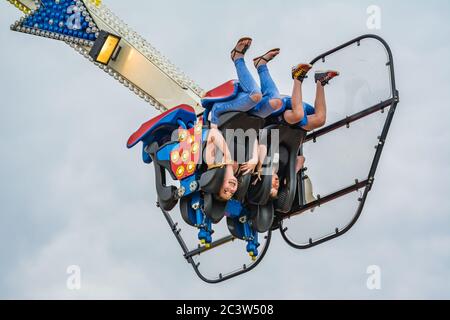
[269, 91]
[242, 102]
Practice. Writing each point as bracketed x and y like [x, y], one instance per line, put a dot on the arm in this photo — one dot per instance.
[215, 137]
[262, 154]
[255, 156]
[250, 165]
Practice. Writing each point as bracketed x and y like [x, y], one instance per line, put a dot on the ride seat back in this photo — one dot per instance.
[263, 218]
[290, 141]
[222, 93]
[166, 194]
[210, 183]
[159, 129]
[244, 129]
[259, 191]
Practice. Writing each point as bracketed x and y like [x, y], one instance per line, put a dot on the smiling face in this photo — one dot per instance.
[229, 188]
[275, 186]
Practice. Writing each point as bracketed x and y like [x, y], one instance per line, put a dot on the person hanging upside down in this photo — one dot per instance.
[262, 153]
[266, 102]
[298, 113]
[217, 155]
[247, 100]
[266, 99]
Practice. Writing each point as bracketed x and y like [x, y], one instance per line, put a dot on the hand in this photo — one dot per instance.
[258, 177]
[248, 167]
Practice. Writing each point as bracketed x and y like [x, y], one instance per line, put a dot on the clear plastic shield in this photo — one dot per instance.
[342, 157]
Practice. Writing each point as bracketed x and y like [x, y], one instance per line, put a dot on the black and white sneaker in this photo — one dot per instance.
[325, 76]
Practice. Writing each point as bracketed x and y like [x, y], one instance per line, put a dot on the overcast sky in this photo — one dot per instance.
[72, 194]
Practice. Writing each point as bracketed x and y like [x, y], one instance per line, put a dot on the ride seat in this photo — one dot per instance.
[159, 129]
[156, 136]
[222, 93]
[210, 183]
[290, 141]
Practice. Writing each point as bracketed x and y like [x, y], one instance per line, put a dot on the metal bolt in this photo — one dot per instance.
[181, 192]
[193, 186]
[196, 206]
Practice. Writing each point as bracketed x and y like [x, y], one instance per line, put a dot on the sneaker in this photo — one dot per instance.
[325, 76]
[299, 72]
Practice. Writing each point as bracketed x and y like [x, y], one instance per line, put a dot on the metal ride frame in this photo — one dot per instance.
[390, 103]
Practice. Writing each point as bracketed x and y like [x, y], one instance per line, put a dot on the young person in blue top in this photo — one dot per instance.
[266, 101]
[264, 97]
[294, 111]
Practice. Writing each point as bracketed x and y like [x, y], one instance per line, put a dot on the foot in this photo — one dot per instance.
[265, 58]
[325, 76]
[300, 71]
[241, 48]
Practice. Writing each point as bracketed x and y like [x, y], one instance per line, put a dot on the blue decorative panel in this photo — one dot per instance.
[67, 20]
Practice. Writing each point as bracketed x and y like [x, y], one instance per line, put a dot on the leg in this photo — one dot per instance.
[243, 103]
[320, 105]
[246, 80]
[269, 87]
[318, 119]
[297, 113]
[271, 101]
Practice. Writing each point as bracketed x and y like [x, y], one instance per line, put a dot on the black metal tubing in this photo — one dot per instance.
[189, 254]
[355, 187]
[350, 119]
[382, 139]
[357, 41]
[215, 244]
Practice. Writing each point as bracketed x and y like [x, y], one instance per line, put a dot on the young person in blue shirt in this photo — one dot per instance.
[266, 102]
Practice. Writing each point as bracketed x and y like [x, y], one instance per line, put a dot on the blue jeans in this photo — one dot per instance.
[242, 102]
[270, 91]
